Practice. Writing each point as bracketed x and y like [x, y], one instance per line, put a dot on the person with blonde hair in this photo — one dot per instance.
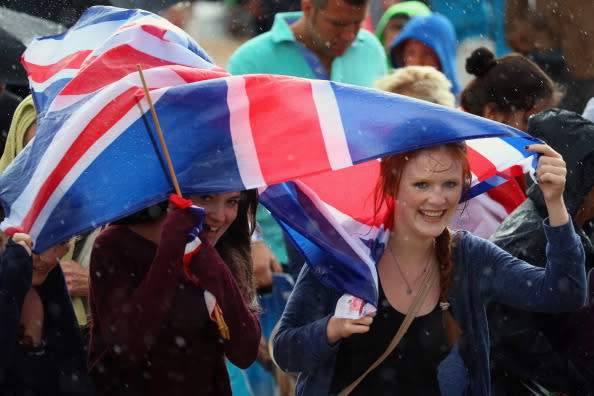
[419, 82]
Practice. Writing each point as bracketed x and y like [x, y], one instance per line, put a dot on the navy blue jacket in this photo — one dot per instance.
[60, 367]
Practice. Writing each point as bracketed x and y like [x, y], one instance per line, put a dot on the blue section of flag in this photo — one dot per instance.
[318, 241]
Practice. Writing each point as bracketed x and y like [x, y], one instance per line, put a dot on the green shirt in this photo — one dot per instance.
[277, 52]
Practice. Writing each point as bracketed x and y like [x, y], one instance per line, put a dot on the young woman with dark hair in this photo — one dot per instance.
[153, 329]
[445, 349]
[508, 89]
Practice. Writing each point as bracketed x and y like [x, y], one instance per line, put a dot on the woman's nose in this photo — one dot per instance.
[216, 213]
[437, 197]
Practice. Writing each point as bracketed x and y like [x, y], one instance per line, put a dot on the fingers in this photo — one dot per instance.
[338, 328]
[77, 278]
[551, 178]
[551, 166]
[26, 246]
[72, 267]
[357, 326]
[543, 149]
[366, 320]
[22, 237]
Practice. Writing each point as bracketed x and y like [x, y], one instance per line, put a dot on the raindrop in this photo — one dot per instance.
[180, 341]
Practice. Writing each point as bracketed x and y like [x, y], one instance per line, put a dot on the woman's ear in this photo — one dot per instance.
[492, 112]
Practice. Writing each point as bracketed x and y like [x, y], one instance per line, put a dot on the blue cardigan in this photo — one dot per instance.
[483, 272]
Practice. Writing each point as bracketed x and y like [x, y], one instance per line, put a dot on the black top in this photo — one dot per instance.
[411, 368]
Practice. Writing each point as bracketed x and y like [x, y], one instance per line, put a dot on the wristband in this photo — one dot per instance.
[180, 202]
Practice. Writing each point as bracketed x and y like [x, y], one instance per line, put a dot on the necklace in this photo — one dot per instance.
[409, 289]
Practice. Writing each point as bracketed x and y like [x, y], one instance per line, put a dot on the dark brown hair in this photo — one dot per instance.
[234, 245]
[387, 190]
[512, 82]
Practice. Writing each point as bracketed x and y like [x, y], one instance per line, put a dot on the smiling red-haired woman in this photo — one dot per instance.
[445, 348]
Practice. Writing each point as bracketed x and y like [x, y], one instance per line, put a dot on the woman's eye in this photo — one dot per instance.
[233, 202]
[205, 198]
[451, 184]
[420, 185]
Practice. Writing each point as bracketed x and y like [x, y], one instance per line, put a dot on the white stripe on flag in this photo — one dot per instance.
[144, 42]
[192, 245]
[210, 300]
[61, 75]
[47, 51]
[155, 78]
[337, 148]
[496, 149]
[241, 133]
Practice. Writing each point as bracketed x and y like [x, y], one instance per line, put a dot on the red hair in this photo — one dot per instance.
[387, 190]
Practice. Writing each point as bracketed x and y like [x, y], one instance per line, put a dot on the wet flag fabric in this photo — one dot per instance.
[96, 157]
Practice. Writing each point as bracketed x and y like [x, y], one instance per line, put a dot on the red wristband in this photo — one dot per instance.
[180, 202]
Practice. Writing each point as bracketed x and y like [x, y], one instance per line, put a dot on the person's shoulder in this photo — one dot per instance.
[369, 40]
[366, 35]
[465, 243]
[262, 42]
[464, 236]
[257, 51]
[369, 50]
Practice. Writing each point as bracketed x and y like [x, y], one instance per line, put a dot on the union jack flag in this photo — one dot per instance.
[95, 156]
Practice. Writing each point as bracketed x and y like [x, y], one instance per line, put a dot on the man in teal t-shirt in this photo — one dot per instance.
[323, 41]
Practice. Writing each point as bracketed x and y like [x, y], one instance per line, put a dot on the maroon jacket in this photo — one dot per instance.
[151, 333]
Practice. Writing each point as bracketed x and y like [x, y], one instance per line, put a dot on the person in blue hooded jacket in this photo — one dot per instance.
[428, 40]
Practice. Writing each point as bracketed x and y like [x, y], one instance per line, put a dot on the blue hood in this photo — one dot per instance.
[438, 33]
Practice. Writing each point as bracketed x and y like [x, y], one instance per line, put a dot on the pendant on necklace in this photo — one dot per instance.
[409, 291]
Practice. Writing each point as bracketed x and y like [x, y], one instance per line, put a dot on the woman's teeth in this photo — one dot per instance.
[432, 213]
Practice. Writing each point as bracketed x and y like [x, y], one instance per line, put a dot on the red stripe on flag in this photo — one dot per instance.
[510, 195]
[271, 111]
[336, 189]
[156, 31]
[480, 165]
[41, 73]
[111, 66]
[121, 61]
[96, 128]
